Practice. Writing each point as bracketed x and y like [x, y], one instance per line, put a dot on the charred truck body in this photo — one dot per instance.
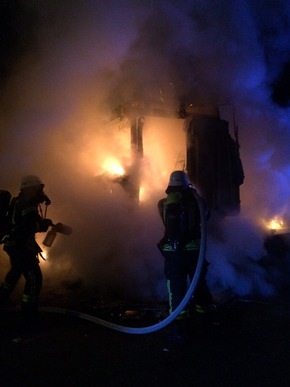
[212, 157]
[213, 162]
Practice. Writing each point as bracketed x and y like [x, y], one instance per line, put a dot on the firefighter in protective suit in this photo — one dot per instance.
[25, 220]
[180, 247]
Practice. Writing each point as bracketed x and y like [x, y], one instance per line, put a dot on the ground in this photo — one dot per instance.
[248, 345]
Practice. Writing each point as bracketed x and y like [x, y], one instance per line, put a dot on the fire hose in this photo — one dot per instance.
[162, 324]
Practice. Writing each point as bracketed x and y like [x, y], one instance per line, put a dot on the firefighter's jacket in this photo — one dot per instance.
[191, 240]
[24, 222]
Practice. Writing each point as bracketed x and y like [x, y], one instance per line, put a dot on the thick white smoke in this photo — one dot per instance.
[88, 57]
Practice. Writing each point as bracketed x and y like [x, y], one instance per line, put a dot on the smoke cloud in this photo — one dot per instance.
[76, 62]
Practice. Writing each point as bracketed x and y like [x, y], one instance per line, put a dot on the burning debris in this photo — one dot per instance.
[276, 224]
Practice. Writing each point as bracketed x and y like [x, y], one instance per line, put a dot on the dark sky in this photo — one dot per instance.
[21, 21]
[281, 87]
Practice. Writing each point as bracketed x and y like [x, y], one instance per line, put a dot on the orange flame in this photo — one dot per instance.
[275, 224]
[113, 167]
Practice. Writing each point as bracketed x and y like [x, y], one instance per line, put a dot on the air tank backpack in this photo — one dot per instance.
[174, 219]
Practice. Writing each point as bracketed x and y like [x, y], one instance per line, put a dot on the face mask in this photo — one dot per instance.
[42, 198]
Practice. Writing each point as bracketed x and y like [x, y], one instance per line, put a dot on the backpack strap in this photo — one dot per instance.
[5, 198]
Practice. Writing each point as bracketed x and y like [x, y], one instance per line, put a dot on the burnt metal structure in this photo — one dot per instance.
[213, 160]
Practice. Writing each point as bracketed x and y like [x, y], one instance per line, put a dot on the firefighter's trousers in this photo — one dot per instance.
[180, 267]
[23, 262]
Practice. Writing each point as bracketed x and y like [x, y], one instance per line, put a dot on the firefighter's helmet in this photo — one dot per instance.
[178, 179]
[30, 181]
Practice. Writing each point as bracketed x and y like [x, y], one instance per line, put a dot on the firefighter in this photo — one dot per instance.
[25, 220]
[180, 246]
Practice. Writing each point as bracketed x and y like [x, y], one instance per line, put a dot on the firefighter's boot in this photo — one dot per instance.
[180, 331]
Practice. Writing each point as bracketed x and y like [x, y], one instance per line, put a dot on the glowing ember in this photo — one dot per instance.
[113, 166]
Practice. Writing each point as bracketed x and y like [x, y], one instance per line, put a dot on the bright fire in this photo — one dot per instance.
[113, 167]
[141, 194]
[275, 224]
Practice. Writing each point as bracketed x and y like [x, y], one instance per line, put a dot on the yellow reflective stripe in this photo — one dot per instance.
[167, 247]
[9, 242]
[183, 314]
[27, 298]
[28, 210]
[23, 213]
[32, 296]
[192, 245]
[7, 286]
[174, 197]
[205, 308]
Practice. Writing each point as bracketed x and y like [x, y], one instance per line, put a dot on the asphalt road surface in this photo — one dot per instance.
[247, 345]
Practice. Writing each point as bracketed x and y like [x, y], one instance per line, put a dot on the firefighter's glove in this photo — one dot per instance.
[45, 224]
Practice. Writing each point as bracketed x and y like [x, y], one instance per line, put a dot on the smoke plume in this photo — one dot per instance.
[65, 65]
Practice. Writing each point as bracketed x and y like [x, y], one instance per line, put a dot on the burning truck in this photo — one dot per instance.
[166, 136]
[189, 138]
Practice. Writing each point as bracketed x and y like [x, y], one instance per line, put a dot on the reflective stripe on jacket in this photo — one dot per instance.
[189, 246]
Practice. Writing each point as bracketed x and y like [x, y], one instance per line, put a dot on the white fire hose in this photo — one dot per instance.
[173, 315]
